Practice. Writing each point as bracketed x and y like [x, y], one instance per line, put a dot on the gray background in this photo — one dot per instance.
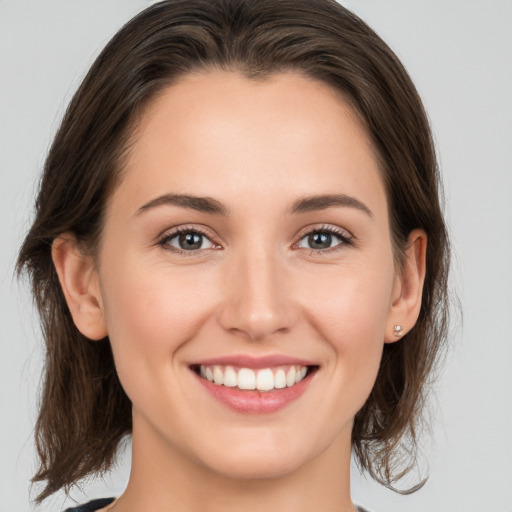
[459, 52]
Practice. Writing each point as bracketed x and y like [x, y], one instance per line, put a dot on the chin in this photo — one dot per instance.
[257, 467]
[252, 460]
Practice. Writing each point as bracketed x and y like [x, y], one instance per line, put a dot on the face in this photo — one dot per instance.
[247, 245]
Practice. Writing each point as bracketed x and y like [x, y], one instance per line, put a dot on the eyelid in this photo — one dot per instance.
[170, 233]
[346, 236]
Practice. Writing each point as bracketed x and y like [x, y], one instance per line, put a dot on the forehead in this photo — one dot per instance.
[218, 133]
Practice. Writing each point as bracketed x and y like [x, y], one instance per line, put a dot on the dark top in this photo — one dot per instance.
[97, 504]
[92, 505]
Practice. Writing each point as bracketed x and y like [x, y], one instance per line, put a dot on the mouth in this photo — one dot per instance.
[254, 388]
[249, 379]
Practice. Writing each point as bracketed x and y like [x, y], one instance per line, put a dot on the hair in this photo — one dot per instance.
[84, 412]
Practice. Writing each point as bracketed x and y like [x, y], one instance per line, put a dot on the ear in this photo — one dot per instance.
[408, 288]
[80, 284]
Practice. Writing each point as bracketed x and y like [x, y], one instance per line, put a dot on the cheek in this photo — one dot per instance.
[151, 312]
[350, 312]
[351, 305]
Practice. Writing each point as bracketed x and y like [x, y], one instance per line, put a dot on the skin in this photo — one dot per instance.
[256, 287]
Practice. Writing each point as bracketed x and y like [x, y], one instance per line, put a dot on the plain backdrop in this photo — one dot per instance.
[459, 53]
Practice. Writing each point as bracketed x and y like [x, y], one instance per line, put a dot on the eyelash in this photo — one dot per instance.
[166, 238]
[345, 238]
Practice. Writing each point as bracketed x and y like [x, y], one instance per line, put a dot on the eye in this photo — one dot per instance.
[187, 240]
[324, 239]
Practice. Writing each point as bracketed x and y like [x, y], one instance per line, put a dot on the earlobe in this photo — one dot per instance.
[79, 282]
[408, 290]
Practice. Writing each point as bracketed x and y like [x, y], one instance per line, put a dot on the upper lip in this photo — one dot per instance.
[254, 362]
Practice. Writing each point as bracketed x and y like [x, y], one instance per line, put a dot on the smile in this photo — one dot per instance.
[263, 379]
[250, 385]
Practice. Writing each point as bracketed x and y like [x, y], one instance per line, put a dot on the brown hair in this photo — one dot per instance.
[84, 412]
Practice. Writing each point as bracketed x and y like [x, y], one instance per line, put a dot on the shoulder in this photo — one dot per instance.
[92, 505]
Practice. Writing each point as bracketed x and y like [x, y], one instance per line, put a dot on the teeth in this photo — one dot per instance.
[218, 375]
[290, 377]
[280, 379]
[265, 379]
[230, 377]
[246, 379]
[301, 373]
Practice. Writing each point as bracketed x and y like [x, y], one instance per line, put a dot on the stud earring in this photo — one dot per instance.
[398, 330]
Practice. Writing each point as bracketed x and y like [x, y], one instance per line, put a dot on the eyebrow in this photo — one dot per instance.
[201, 204]
[212, 206]
[322, 202]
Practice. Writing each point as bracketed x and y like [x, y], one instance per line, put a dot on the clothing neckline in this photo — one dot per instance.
[97, 504]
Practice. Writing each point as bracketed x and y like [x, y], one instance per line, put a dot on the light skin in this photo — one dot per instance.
[277, 271]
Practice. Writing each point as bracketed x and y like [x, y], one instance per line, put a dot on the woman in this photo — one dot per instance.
[240, 260]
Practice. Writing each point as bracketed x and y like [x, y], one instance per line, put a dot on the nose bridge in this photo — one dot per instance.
[257, 301]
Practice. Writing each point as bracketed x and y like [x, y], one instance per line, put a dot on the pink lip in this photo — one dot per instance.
[247, 361]
[255, 402]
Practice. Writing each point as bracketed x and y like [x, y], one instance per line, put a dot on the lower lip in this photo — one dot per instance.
[256, 402]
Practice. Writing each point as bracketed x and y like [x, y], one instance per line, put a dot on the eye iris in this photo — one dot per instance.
[320, 240]
[190, 241]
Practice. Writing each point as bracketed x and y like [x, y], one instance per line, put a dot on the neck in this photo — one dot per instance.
[165, 479]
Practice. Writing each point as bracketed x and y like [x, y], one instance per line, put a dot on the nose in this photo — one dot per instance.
[258, 297]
